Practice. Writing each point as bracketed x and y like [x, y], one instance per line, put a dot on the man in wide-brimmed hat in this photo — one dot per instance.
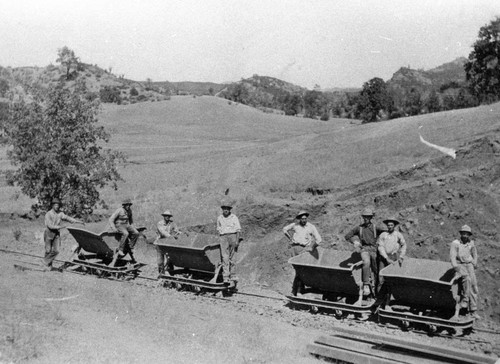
[121, 221]
[52, 233]
[391, 249]
[229, 229]
[166, 228]
[305, 237]
[463, 257]
[364, 237]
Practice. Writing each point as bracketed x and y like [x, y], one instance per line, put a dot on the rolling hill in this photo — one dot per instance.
[407, 78]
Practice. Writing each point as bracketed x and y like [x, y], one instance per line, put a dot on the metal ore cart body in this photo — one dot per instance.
[335, 276]
[423, 292]
[195, 262]
[94, 256]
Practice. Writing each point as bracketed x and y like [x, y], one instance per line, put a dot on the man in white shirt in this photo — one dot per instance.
[391, 248]
[463, 257]
[229, 229]
[305, 237]
[166, 228]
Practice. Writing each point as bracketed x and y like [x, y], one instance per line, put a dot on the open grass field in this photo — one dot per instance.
[193, 149]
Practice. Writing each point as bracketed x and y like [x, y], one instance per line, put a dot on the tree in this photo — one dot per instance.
[413, 102]
[4, 87]
[432, 102]
[292, 104]
[239, 93]
[374, 97]
[4, 116]
[483, 69]
[66, 57]
[58, 148]
[314, 103]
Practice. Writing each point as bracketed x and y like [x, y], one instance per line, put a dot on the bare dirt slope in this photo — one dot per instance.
[432, 200]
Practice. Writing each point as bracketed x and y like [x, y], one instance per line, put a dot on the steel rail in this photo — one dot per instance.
[235, 300]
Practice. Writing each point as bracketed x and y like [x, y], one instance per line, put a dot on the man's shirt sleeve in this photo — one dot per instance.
[237, 225]
[352, 233]
[453, 253]
[113, 217]
[288, 228]
[316, 235]
[402, 243]
[67, 218]
[50, 221]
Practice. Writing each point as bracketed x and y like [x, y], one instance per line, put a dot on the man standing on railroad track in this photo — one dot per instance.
[463, 257]
[121, 221]
[305, 238]
[165, 228]
[229, 229]
[366, 244]
[52, 233]
[391, 249]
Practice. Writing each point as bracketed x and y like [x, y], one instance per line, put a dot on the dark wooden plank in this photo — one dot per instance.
[376, 350]
[451, 354]
[347, 355]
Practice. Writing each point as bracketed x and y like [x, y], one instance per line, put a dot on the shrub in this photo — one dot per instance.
[134, 92]
[17, 234]
[110, 94]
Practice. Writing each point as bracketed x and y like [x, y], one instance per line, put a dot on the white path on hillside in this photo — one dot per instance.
[449, 151]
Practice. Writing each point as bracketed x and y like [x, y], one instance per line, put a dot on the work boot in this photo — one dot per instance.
[132, 258]
[474, 315]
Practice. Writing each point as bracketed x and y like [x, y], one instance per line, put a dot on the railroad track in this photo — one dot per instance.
[260, 301]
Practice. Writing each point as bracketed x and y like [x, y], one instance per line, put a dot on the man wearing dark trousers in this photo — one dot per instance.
[52, 233]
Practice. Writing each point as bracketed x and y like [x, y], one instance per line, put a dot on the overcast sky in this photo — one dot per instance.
[333, 43]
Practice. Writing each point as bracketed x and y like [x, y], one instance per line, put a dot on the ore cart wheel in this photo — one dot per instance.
[451, 331]
[363, 316]
[432, 329]
[339, 314]
[314, 309]
[178, 286]
[405, 325]
[467, 331]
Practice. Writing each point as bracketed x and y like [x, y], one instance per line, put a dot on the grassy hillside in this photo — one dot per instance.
[285, 153]
[205, 145]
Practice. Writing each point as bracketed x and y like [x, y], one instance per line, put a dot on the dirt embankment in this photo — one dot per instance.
[432, 200]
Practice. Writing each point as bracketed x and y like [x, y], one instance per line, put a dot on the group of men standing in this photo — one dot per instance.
[378, 246]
